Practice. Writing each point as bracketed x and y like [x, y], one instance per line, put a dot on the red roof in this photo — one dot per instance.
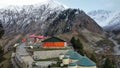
[34, 36]
[40, 37]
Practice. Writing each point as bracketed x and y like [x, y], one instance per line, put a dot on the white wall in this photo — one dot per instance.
[48, 54]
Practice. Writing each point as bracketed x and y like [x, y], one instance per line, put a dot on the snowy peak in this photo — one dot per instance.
[114, 18]
[50, 4]
[109, 20]
[113, 22]
[100, 16]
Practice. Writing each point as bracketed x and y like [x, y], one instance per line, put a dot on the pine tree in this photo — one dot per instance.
[79, 47]
[73, 42]
[79, 44]
[108, 64]
[93, 57]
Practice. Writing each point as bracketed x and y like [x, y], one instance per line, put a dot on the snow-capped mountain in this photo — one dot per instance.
[113, 22]
[110, 21]
[100, 16]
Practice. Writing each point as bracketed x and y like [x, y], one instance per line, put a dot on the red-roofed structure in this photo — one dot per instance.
[40, 37]
[32, 36]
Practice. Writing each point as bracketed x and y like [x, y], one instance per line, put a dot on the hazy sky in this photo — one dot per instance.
[86, 5]
[89, 5]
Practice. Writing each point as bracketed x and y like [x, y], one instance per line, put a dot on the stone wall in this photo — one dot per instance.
[47, 54]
